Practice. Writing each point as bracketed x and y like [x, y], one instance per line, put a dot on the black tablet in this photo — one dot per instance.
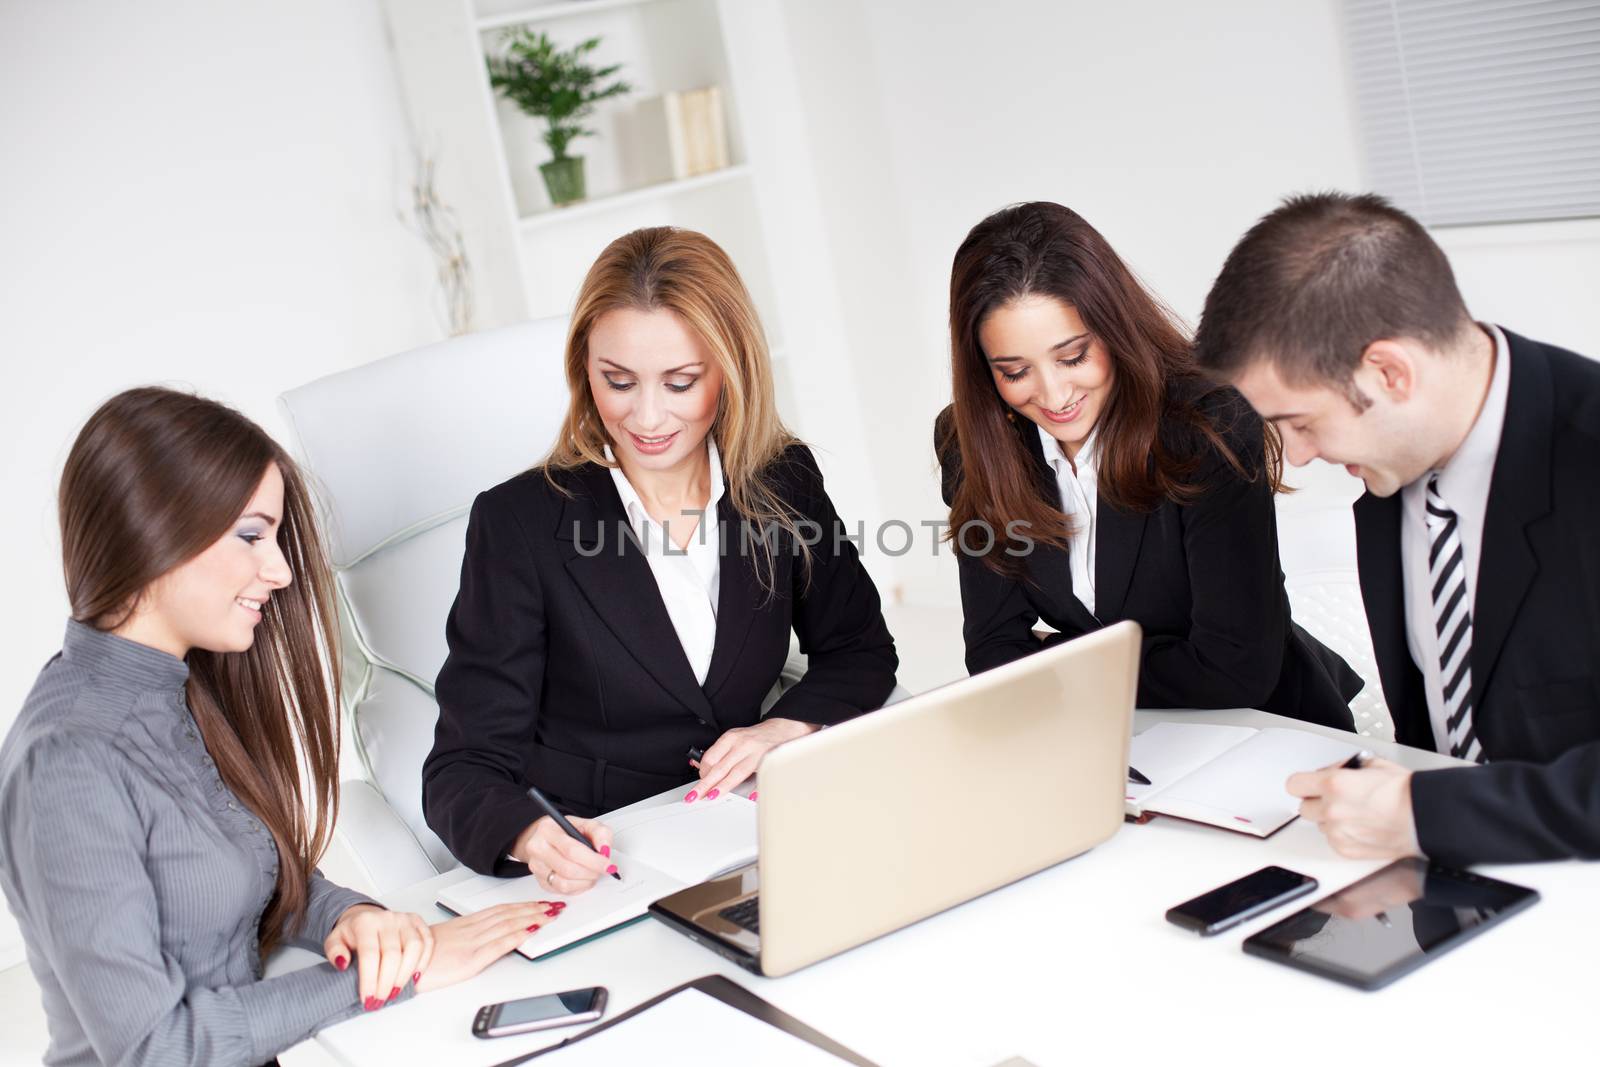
[1389, 923]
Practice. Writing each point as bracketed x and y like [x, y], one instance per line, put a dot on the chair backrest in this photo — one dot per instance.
[1317, 544]
[399, 448]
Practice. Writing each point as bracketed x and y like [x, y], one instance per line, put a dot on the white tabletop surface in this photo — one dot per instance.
[1077, 965]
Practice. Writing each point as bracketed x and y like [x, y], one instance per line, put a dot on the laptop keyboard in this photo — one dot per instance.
[746, 914]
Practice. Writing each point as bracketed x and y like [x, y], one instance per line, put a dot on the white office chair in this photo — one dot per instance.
[1317, 543]
[398, 449]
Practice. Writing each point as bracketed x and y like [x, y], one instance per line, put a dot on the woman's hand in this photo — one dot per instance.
[463, 947]
[389, 947]
[739, 752]
[561, 863]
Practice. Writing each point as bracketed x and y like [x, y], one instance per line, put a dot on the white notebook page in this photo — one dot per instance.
[1246, 783]
[610, 902]
[690, 842]
[684, 1031]
[1169, 750]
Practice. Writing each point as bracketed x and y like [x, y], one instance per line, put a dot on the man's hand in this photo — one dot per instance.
[1365, 812]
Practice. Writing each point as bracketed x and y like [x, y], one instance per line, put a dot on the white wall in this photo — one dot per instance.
[1170, 126]
[198, 193]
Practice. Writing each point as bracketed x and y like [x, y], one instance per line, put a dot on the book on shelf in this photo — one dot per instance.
[688, 129]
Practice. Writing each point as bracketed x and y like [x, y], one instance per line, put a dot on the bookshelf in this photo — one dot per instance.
[529, 257]
[549, 11]
[616, 201]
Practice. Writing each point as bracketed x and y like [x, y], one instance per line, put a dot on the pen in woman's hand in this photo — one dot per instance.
[561, 821]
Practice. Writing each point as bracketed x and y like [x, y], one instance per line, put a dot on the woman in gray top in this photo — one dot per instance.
[155, 842]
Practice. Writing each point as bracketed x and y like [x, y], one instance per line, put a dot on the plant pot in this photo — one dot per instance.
[564, 179]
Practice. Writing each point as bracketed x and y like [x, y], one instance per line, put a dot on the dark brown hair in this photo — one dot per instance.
[1044, 249]
[1315, 282]
[155, 478]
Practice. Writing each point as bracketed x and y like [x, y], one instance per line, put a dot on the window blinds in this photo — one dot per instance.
[1474, 111]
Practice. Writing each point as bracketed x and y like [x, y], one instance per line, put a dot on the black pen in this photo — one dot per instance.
[1356, 762]
[696, 755]
[1135, 776]
[561, 821]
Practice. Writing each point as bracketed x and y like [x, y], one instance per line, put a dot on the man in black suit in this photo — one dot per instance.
[1478, 538]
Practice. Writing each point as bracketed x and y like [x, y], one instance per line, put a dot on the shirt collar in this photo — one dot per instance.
[638, 517]
[1473, 462]
[103, 653]
[1054, 456]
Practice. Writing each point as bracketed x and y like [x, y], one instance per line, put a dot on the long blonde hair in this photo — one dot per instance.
[687, 273]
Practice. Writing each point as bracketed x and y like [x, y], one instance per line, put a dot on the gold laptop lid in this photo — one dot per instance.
[891, 817]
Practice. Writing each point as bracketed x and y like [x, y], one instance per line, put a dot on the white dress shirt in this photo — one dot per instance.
[1464, 487]
[1077, 480]
[689, 578]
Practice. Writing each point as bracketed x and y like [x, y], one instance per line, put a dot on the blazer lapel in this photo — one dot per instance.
[1050, 568]
[608, 566]
[1116, 550]
[1383, 592]
[1519, 495]
[739, 591]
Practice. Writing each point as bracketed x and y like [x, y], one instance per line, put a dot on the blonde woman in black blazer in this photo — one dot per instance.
[632, 598]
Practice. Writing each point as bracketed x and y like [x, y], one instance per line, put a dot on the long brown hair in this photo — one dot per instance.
[155, 478]
[1044, 249]
[688, 273]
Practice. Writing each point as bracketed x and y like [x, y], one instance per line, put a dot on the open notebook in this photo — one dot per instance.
[658, 850]
[1228, 776]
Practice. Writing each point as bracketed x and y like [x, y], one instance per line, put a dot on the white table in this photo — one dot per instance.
[1077, 965]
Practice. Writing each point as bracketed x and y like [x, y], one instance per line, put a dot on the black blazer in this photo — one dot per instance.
[1535, 631]
[1201, 579]
[565, 671]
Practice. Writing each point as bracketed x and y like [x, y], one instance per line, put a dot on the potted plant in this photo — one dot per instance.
[561, 87]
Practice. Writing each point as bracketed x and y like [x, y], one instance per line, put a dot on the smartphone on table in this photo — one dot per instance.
[1240, 901]
[540, 1013]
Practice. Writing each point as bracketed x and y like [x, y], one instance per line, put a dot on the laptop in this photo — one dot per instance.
[909, 793]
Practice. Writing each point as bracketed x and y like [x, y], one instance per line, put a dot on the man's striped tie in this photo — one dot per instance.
[1452, 616]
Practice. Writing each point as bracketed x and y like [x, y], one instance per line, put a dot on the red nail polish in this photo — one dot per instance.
[560, 905]
[692, 797]
[532, 928]
[605, 850]
[611, 869]
[340, 963]
[395, 992]
[712, 795]
[417, 977]
[370, 1004]
[754, 793]
[552, 913]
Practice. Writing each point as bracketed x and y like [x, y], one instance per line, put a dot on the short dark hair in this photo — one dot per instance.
[1315, 282]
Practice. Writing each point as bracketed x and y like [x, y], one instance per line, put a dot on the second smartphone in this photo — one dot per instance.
[1240, 901]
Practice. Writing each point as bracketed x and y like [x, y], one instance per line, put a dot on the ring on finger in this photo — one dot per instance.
[550, 878]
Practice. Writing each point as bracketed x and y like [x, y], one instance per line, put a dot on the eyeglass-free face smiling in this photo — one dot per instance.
[655, 386]
[215, 600]
[1048, 367]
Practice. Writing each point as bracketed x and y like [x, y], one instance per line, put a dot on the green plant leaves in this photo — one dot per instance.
[552, 83]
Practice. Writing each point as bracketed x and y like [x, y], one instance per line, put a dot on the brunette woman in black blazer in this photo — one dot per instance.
[588, 653]
[1118, 483]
